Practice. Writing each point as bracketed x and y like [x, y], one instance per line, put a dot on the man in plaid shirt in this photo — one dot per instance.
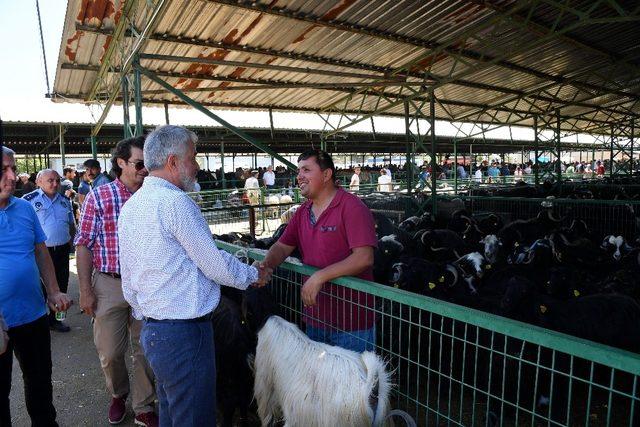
[101, 290]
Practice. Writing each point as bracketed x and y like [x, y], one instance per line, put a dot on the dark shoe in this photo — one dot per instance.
[117, 410]
[148, 419]
[59, 327]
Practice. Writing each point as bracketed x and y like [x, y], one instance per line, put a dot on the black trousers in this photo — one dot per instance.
[60, 258]
[31, 344]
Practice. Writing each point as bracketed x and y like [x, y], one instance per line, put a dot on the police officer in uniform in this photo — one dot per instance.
[55, 214]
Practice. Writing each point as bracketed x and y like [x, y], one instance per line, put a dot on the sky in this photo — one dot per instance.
[23, 86]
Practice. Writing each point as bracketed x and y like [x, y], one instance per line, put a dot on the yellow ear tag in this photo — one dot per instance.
[396, 286]
[487, 267]
[543, 309]
[441, 279]
[432, 285]
[516, 244]
[576, 293]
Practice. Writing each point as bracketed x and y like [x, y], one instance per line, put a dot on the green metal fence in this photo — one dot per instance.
[457, 366]
[259, 220]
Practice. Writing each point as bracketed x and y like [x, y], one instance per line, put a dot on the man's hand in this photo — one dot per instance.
[4, 341]
[310, 290]
[88, 302]
[264, 275]
[59, 301]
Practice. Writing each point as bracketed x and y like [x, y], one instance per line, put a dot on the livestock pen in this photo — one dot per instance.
[457, 366]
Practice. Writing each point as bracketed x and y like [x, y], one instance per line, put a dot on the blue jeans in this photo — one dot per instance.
[182, 357]
[358, 341]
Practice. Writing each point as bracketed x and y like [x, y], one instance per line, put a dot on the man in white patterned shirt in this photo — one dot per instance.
[171, 276]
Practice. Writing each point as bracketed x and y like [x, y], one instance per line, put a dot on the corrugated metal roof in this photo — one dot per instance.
[509, 59]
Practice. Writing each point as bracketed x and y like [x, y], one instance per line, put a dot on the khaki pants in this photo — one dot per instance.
[113, 327]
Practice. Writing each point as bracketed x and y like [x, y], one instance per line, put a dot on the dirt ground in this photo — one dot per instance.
[79, 393]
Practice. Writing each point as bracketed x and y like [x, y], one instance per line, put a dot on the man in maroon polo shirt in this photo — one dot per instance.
[334, 231]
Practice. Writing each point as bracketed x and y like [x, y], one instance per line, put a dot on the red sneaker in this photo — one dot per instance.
[148, 419]
[117, 410]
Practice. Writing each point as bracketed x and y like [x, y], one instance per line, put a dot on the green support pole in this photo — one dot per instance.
[94, 147]
[125, 108]
[611, 154]
[408, 146]
[62, 146]
[471, 162]
[631, 149]
[432, 120]
[558, 152]
[166, 113]
[215, 117]
[536, 164]
[224, 180]
[137, 83]
[455, 166]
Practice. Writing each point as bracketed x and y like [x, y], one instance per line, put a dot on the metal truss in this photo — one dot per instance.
[121, 52]
[547, 144]
[139, 70]
[489, 34]
[622, 149]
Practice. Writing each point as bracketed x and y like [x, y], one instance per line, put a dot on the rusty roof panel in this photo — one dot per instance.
[494, 62]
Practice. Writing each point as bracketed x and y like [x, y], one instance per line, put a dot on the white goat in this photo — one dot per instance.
[311, 384]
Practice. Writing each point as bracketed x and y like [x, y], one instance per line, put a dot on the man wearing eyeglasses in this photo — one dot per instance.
[98, 261]
[55, 215]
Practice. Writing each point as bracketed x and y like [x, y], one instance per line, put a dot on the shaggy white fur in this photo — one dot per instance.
[311, 384]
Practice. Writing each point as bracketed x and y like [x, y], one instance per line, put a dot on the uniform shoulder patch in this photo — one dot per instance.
[29, 197]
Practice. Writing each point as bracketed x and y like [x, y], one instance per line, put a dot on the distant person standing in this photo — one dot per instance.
[600, 169]
[84, 187]
[477, 176]
[93, 171]
[98, 259]
[26, 184]
[462, 174]
[66, 185]
[354, 185]
[253, 188]
[55, 214]
[24, 261]
[384, 181]
[269, 178]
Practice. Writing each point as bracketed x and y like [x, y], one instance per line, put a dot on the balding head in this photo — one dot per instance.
[49, 181]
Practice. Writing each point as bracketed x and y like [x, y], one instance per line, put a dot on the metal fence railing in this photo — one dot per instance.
[452, 365]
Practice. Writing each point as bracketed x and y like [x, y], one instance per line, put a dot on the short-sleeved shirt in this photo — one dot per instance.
[269, 178]
[345, 224]
[354, 185]
[21, 299]
[55, 216]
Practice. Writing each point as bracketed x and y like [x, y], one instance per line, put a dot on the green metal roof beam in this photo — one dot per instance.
[265, 148]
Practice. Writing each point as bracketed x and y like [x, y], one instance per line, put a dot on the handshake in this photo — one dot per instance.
[264, 274]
